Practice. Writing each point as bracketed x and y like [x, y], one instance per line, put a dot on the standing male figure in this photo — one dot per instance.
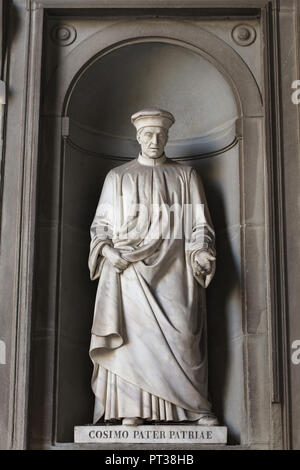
[153, 251]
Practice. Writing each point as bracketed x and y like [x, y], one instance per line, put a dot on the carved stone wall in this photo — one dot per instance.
[66, 124]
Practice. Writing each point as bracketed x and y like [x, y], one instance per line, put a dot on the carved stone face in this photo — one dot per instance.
[152, 141]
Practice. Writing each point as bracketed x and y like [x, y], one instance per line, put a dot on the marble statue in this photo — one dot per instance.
[152, 248]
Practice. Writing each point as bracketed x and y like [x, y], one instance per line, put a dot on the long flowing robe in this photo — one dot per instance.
[148, 342]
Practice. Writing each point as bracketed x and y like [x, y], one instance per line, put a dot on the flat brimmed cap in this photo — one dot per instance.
[152, 117]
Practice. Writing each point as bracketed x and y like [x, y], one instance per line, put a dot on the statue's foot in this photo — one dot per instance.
[208, 420]
[132, 421]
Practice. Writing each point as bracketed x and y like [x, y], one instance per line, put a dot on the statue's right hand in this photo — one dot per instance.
[114, 257]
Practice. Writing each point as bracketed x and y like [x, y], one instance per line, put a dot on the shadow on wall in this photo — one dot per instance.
[225, 340]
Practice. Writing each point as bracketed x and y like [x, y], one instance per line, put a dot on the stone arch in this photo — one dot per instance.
[220, 54]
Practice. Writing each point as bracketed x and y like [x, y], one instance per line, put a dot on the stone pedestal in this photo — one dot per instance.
[158, 434]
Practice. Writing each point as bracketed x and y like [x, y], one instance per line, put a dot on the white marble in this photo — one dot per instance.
[151, 239]
[164, 434]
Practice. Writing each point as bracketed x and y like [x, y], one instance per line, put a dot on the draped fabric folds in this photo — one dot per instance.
[148, 342]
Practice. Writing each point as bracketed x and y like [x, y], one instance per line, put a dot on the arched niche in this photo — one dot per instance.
[101, 137]
[73, 176]
[225, 59]
[154, 73]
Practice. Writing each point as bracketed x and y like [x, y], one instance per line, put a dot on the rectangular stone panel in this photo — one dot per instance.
[164, 434]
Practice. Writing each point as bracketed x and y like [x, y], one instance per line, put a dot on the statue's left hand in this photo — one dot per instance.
[204, 264]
